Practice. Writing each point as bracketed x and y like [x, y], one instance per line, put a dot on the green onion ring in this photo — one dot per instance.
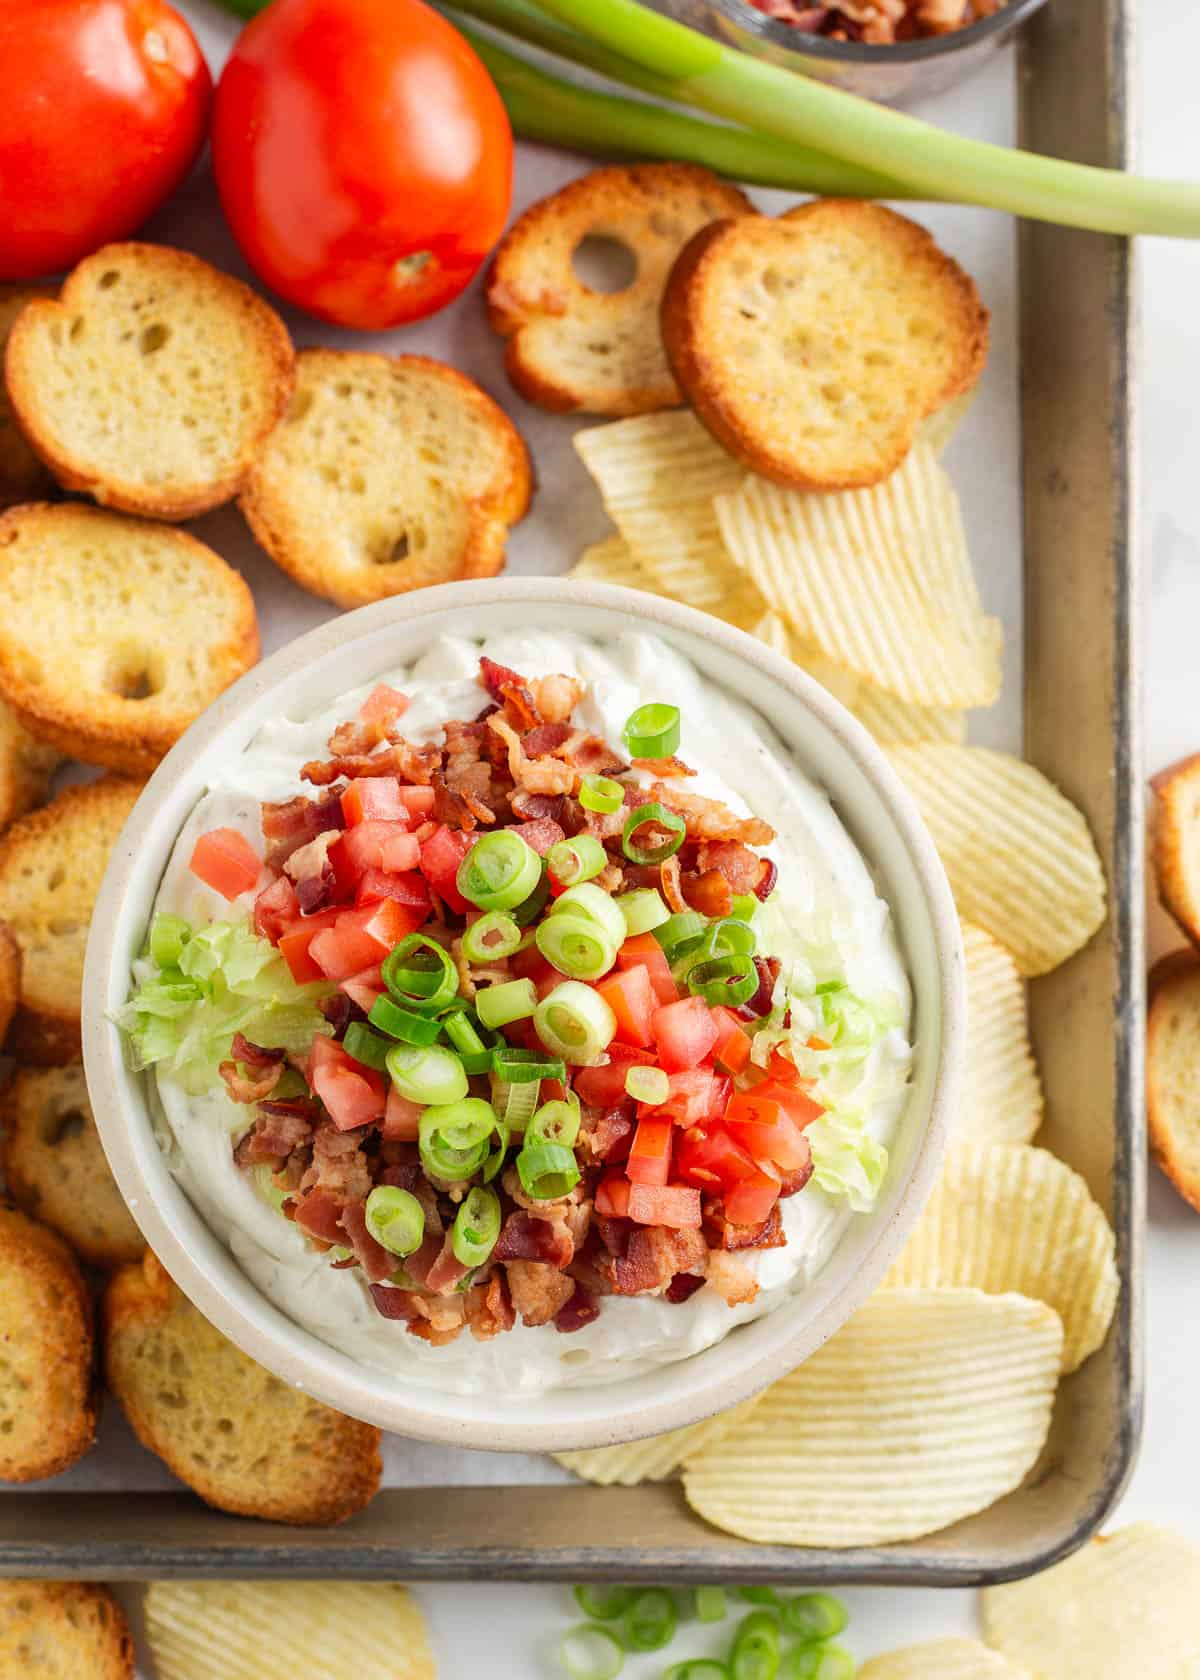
[680, 929]
[476, 1226]
[589, 1652]
[711, 1604]
[420, 974]
[555, 1122]
[427, 1073]
[514, 1103]
[643, 910]
[575, 860]
[650, 1620]
[500, 871]
[363, 1045]
[652, 731]
[649, 1085]
[396, 1219]
[404, 1024]
[756, 1648]
[659, 817]
[547, 1171]
[575, 1023]
[587, 899]
[491, 937]
[815, 1615]
[724, 980]
[520, 1067]
[576, 946]
[601, 793]
[454, 1137]
[602, 1601]
[511, 1000]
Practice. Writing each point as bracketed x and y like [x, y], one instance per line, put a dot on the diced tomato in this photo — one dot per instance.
[366, 988]
[750, 1200]
[419, 800]
[361, 938]
[644, 951]
[604, 1087]
[275, 909]
[295, 945]
[612, 1196]
[441, 855]
[696, 1094]
[402, 854]
[631, 998]
[793, 1100]
[709, 1156]
[353, 1094]
[382, 704]
[374, 799]
[676, 1205]
[226, 861]
[650, 1158]
[362, 848]
[761, 1126]
[732, 1049]
[685, 1032]
[782, 1067]
[407, 888]
[401, 1120]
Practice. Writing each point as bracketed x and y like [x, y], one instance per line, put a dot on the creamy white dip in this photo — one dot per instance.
[824, 887]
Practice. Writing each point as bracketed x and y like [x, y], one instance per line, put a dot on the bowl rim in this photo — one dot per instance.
[242, 1311]
[929, 48]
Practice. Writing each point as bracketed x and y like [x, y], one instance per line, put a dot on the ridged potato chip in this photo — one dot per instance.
[878, 580]
[1017, 1220]
[943, 1659]
[1020, 857]
[243, 1630]
[941, 426]
[613, 561]
[654, 1460]
[927, 1406]
[1002, 1098]
[1124, 1607]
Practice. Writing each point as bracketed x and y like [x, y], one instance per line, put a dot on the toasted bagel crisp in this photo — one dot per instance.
[1176, 842]
[241, 1438]
[116, 633]
[813, 346]
[23, 478]
[574, 349]
[1173, 1070]
[151, 381]
[51, 864]
[48, 1401]
[54, 1165]
[10, 979]
[388, 473]
[26, 766]
[63, 1630]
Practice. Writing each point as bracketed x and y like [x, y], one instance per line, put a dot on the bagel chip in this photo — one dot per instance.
[943, 1659]
[927, 1406]
[653, 1460]
[1002, 1100]
[1014, 1219]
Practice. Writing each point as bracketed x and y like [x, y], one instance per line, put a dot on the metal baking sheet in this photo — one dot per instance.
[1074, 678]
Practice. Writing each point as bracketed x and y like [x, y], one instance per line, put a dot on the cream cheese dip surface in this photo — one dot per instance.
[825, 896]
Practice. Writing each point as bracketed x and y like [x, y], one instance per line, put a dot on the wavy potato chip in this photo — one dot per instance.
[878, 580]
[1124, 1607]
[243, 1630]
[1020, 857]
[656, 1459]
[928, 1405]
[1017, 1220]
[943, 1659]
[613, 561]
[1002, 1098]
[941, 426]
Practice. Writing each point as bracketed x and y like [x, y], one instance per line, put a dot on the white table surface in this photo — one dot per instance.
[502, 1630]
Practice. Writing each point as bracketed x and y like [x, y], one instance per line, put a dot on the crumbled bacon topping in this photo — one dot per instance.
[879, 22]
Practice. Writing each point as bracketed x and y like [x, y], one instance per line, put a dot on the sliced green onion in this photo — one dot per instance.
[652, 731]
[516, 1104]
[576, 1023]
[554, 1122]
[475, 1055]
[727, 937]
[476, 1226]
[500, 871]
[587, 899]
[588, 1652]
[647, 1085]
[576, 946]
[816, 1615]
[744, 906]
[512, 1000]
[427, 1073]
[420, 974]
[396, 1219]
[657, 816]
[495, 1160]
[643, 910]
[531, 908]
[492, 936]
[760, 1595]
[756, 1648]
[454, 1137]
[712, 1603]
[724, 980]
[601, 793]
[522, 1067]
[547, 1171]
[570, 861]
[364, 1046]
[650, 1620]
[603, 1601]
[168, 935]
[680, 929]
[404, 1024]
[801, 1662]
[699, 1668]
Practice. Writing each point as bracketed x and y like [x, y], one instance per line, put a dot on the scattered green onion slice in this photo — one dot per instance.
[647, 1085]
[603, 1601]
[492, 936]
[698, 1668]
[587, 899]
[554, 1122]
[643, 910]
[523, 1067]
[516, 1104]
[578, 859]
[365, 1046]
[652, 731]
[711, 1604]
[680, 929]
[454, 1138]
[727, 980]
[727, 937]
[531, 908]
[575, 1023]
[500, 871]
[404, 1024]
[650, 1620]
[760, 1595]
[396, 1219]
[601, 793]
[744, 906]
[756, 1648]
[168, 935]
[420, 974]
[576, 946]
[512, 1000]
[547, 1171]
[802, 1661]
[588, 1652]
[816, 1615]
[427, 1073]
[476, 1226]
[461, 1031]
[649, 816]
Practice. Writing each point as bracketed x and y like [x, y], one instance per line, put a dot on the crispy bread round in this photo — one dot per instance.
[573, 348]
[1176, 842]
[23, 478]
[151, 381]
[10, 979]
[1173, 1070]
[813, 346]
[63, 1630]
[116, 633]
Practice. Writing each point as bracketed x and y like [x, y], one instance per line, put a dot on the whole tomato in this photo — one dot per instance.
[103, 110]
[363, 156]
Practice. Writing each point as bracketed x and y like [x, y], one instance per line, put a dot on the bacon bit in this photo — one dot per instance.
[410, 763]
[532, 807]
[269, 1063]
[294, 823]
[339, 1166]
[608, 1138]
[708, 819]
[278, 1130]
[319, 1214]
[721, 1233]
[460, 806]
[489, 1309]
[741, 867]
[556, 697]
[539, 1291]
[580, 1310]
[611, 878]
[709, 893]
[672, 889]
[349, 740]
[768, 875]
[541, 775]
[340, 1010]
[447, 1271]
[682, 1287]
[794, 1181]
[310, 868]
[254, 1055]
[665, 767]
[732, 1279]
[509, 691]
[540, 834]
[653, 1256]
[441, 1318]
[589, 755]
[526, 1237]
[545, 738]
[375, 1260]
[393, 1303]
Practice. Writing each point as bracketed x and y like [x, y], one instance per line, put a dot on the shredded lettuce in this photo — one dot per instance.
[226, 979]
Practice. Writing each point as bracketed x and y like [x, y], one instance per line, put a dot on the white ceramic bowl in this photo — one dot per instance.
[875, 808]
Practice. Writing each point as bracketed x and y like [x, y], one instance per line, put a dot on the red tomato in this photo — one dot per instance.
[604, 1086]
[650, 1158]
[406, 888]
[612, 1196]
[363, 157]
[751, 1200]
[685, 1032]
[631, 998]
[441, 855]
[295, 946]
[645, 951]
[732, 1049]
[696, 1093]
[361, 848]
[275, 909]
[103, 110]
[226, 861]
[383, 705]
[419, 800]
[675, 1205]
[761, 1126]
[364, 989]
[353, 1094]
[374, 799]
[361, 938]
[792, 1100]
[708, 1156]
